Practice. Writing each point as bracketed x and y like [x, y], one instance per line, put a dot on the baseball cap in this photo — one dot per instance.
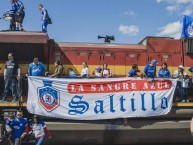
[181, 66]
[99, 69]
[154, 62]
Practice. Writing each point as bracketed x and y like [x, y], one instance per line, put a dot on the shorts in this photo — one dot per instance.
[19, 17]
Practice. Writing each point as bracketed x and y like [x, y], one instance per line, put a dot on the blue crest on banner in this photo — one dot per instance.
[187, 27]
[48, 97]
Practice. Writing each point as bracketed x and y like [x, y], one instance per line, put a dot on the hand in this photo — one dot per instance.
[5, 78]
[18, 78]
[49, 137]
[23, 135]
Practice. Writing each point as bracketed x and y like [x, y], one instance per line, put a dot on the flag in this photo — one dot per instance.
[187, 27]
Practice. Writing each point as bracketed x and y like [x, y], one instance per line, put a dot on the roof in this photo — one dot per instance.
[141, 42]
[101, 46]
[23, 37]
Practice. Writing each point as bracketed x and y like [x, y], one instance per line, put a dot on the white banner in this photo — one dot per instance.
[95, 99]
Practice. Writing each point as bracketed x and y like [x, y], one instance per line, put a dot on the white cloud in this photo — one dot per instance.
[171, 30]
[130, 13]
[182, 7]
[175, 1]
[187, 11]
[129, 30]
[172, 8]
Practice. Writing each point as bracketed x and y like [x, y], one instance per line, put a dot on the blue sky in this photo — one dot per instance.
[83, 20]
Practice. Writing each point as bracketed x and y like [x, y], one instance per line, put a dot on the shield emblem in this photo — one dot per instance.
[49, 98]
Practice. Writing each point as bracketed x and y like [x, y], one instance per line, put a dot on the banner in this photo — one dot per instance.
[187, 27]
[102, 98]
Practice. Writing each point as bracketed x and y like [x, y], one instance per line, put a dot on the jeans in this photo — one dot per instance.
[44, 26]
[40, 141]
[13, 84]
[16, 141]
[180, 90]
[185, 94]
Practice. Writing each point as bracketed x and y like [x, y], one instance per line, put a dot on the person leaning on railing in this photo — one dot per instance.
[59, 70]
[36, 68]
[106, 72]
[164, 71]
[179, 74]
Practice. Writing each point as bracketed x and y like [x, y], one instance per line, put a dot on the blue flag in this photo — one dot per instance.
[187, 28]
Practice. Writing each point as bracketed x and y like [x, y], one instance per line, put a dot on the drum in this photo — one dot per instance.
[9, 15]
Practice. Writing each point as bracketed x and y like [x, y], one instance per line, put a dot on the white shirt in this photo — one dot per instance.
[85, 71]
[38, 129]
[185, 83]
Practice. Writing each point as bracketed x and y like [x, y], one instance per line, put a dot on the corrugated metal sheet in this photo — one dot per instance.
[22, 52]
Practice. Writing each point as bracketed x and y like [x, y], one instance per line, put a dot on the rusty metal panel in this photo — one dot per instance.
[23, 37]
[161, 45]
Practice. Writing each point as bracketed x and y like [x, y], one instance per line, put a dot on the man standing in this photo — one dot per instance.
[20, 14]
[45, 17]
[13, 10]
[36, 68]
[11, 75]
[20, 128]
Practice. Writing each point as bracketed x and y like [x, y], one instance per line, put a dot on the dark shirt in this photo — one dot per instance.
[11, 69]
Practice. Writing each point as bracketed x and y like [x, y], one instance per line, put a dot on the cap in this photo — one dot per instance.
[40, 5]
[181, 66]
[154, 62]
[99, 69]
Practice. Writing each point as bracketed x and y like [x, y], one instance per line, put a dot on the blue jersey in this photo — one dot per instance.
[191, 70]
[36, 69]
[14, 7]
[132, 73]
[150, 71]
[10, 124]
[19, 126]
[38, 128]
[44, 14]
[72, 75]
[164, 73]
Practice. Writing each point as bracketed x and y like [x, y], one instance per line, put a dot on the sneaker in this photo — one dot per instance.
[187, 101]
[22, 29]
[183, 101]
[3, 100]
[14, 100]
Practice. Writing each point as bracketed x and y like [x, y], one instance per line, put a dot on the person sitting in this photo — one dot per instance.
[20, 128]
[97, 72]
[134, 71]
[39, 129]
[59, 70]
[36, 68]
[71, 73]
[9, 126]
[85, 70]
[106, 73]
[164, 72]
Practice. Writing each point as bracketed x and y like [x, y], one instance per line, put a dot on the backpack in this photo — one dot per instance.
[49, 20]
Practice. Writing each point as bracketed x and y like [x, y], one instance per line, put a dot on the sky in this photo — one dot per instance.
[129, 21]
